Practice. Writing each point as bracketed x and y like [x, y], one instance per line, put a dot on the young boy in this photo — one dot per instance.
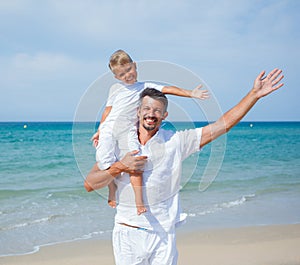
[117, 131]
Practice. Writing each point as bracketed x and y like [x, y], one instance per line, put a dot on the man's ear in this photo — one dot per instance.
[138, 110]
[165, 115]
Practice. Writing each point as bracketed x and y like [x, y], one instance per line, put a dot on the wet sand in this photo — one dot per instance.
[260, 245]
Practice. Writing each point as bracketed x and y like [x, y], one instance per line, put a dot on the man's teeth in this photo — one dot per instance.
[150, 119]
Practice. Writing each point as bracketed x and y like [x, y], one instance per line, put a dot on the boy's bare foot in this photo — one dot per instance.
[112, 203]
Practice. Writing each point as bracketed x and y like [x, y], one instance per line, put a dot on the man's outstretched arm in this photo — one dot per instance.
[261, 88]
[97, 179]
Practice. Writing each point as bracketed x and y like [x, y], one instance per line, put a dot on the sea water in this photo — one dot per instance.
[43, 201]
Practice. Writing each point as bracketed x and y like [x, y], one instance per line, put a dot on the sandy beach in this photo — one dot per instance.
[260, 245]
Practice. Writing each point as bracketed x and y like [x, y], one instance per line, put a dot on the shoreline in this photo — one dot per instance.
[255, 245]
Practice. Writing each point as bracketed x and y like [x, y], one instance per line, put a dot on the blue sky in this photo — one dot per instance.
[51, 51]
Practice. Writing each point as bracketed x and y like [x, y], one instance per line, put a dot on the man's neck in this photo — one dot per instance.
[145, 135]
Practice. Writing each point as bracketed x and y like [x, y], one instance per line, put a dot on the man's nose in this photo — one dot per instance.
[151, 112]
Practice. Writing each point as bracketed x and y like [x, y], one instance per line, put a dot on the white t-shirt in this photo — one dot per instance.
[161, 180]
[124, 100]
[118, 131]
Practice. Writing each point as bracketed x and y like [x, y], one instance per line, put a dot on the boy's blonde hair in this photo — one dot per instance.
[119, 57]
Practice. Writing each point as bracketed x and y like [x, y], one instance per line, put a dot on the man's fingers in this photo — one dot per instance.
[276, 74]
[275, 77]
[276, 81]
[141, 157]
[278, 86]
[133, 162]
[260, 76]
[134, 152]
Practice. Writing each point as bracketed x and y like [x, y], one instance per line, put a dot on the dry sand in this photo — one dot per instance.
[262, 245]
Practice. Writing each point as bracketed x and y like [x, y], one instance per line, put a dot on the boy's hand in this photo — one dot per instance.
[197, 92]
[95, 138]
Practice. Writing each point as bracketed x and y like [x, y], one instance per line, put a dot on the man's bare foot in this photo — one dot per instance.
[112, 203]
[141, 209]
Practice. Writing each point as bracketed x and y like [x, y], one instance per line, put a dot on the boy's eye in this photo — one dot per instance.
[125, 72]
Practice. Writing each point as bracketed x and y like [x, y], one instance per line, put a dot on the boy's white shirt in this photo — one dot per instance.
[124, 100]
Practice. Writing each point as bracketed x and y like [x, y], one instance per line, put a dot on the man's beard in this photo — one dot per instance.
[150, 127]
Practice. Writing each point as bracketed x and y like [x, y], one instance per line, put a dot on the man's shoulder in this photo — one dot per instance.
[167, 134]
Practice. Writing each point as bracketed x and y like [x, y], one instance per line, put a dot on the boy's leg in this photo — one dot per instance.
[105, 157]
[112, 194]
[137, 184]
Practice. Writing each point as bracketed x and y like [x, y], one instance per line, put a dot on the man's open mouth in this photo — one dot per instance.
[150, 120]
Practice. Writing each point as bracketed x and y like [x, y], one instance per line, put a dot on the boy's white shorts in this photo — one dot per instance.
[135, 246]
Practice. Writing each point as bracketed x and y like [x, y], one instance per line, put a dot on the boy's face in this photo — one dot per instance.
[126, 73]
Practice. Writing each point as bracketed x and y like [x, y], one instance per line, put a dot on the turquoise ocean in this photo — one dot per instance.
[43, 164]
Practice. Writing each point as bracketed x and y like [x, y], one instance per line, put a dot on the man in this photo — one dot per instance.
[150, 238]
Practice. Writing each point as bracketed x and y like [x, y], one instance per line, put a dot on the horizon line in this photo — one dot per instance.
[66, 121]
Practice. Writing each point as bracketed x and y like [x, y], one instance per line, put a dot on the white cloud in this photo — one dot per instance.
[49, 45]
[43, 85]
[42, 66]
[14, 6]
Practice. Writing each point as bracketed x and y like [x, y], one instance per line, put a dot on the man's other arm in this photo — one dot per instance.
[261, 88]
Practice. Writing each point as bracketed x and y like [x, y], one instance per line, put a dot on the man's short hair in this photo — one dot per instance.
[155, 94]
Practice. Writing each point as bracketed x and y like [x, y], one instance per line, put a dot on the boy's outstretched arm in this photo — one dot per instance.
[197, 92]
[261, 88]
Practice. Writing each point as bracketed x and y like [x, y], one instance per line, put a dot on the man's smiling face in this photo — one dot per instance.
[151, 113]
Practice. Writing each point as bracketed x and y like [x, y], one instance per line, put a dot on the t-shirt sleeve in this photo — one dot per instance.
[113, 91]
[153, 85]
[189, 141]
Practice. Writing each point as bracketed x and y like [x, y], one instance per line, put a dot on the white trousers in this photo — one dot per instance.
[133, 246]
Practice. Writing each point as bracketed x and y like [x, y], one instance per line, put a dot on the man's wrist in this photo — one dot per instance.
[116, 169]
[254, 94]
